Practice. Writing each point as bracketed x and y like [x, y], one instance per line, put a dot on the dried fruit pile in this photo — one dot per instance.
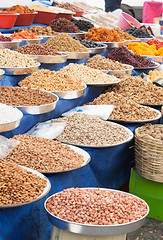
[39, 30]
[44, 155]
[88, 130]
[63, 25]
[82, 24]
[16, 96]
[138, 33]
[18, 185]
[96, 207]
[123, 55]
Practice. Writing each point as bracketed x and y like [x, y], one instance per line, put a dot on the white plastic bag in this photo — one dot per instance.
[47, 130]
[102, 111]
[7, 145]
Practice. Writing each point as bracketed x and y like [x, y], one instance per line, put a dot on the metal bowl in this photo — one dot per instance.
[44, 193]
[113, 44]
[103, 84]
[77, 55]
[35, 110]
[49, 58]
[98, 49]
[10, 45]
[140, 121]
[78, 35]
[20, 70]
[4, 127]
[120, 73]
[145, 39]
[85, 155]
[158, 59]
[97, 230]
[127, 42]
[45, 37]
[156, 65]
[71, 94]
[131, 135]
[1, 74]
[32, 41]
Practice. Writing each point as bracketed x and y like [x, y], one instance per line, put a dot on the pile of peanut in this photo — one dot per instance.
[10, 58]
[16, 96]
[139, 90]
[64, 43]
[83, 129]
[102, 63]
[47, 80]
[87, 74]
[44, 155]
[125, 109]
[96, 207]
[18, 185]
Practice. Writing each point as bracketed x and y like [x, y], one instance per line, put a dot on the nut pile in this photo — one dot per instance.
[52, 81]
[87, 74]
[9, 58]
[89, 43]
[124, 34]
[5, 38]
[69, 6]
[64, 43]
[102, 63]
[9, 114]
[63, 25]
[36, 49]
[125, 109]
[18, 185]
[83, 129]
[155, 131]
[138, 33]
[139, 90]
[96, 207]
[44, 155]
[16, 96]
[39, 30]
[82, 24]
[155, 74]
[123, 55]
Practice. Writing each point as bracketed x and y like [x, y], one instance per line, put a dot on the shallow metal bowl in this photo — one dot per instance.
[130, 137]
[10, 45]
[98, 49]
[113, 44]
[20, 70]
[120, 73]
[49, 58]
[4, 127]
[77, 55]
[97, 230]
[35, 110]
[43, 194]
[71, 94]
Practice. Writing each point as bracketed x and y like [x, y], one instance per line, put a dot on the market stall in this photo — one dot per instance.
[54, 69]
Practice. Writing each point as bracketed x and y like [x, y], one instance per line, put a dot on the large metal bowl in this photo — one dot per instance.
[11, 45]
[120, 73]
[71, 94]
[127, 42]
[35, 110]
[98, 49]
[113, 44]
[20, 70]
[97, 230]
[130, 137]
[77, 55]
[44, 193]
[32, 41]
[155, 65]
[103, 84]
[85, 155]
[4, 127]
[49, 58]
[140, 121]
